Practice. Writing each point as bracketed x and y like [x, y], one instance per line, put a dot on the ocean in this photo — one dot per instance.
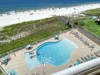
[21, 5]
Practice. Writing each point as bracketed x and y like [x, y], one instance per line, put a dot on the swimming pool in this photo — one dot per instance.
[54, 53]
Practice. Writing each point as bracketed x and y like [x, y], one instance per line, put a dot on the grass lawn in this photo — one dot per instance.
[92, 26]
[43, 28]
[93, 12]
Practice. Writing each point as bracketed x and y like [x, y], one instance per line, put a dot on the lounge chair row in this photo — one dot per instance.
[97, 54]
[5, 60]
[83, 40]
[85, 59]
[32, 54]
[12, 72]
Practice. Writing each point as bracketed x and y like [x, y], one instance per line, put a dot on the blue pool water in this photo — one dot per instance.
[31, 63]
[54, 53]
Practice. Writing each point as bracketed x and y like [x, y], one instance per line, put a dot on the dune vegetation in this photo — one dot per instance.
[36, 30]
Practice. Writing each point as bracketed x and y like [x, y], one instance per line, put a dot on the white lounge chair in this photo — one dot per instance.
[91, 45]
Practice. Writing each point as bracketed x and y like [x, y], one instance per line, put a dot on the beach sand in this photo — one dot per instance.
[19, 17]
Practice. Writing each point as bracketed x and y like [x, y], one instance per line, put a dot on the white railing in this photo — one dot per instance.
[79, 68]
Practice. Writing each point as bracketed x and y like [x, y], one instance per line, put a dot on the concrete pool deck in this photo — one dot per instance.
[18, 62]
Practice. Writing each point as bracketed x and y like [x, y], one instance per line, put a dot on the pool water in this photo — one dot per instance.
[31, 63]
[54, 53]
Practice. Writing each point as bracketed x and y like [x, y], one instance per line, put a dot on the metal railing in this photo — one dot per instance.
[3, 71]
[82, 30]
[88, 34]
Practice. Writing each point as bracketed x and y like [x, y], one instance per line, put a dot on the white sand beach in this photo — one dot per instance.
[19, 17]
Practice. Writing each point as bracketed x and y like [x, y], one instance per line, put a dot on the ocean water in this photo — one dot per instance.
[19, 5]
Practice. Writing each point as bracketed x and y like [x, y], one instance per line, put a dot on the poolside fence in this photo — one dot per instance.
[82, 30]
[88, 34]
[4, 72]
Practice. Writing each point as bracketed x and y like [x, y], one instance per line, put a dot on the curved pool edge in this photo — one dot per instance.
[72, 42]
[47, 43]
[44, 44]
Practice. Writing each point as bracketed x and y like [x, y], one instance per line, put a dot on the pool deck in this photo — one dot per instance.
[18, 62]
